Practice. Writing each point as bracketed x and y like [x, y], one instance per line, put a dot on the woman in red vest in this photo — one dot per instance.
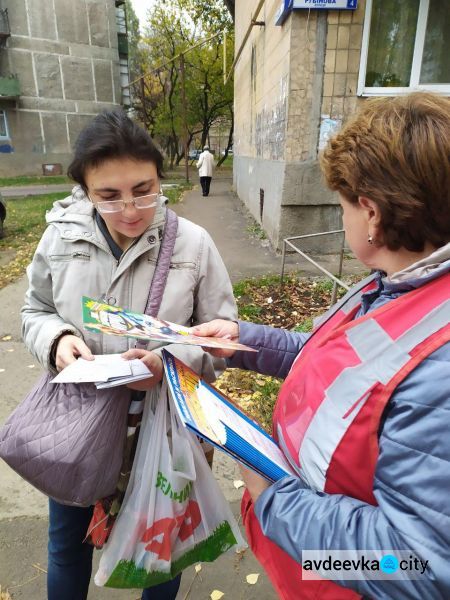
[364, 413]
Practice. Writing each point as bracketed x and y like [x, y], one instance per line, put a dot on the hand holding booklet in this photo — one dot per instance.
[113, 320]
[214, 417]
[106, 370]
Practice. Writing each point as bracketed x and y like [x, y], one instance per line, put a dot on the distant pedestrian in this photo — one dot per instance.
[205, 166]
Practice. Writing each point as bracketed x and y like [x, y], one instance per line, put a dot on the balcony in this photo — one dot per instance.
[5, 32]
[9, 87]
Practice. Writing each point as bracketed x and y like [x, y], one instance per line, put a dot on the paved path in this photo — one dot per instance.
[23, 510]
[34, 190]
[224, 216]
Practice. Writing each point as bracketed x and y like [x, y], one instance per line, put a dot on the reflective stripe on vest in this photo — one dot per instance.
[340, 367]
[381, 358]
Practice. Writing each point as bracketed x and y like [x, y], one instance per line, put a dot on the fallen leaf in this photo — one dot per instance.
[252, 578]
[2, 370]
[238, 483]
[10, 350]
[6, 338]
[216, 595]
[31, 366]
[198, 568]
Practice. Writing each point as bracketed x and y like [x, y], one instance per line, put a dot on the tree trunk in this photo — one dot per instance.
[230, 140]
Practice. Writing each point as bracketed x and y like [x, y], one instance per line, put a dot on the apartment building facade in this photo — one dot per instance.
[304, 69]
[61, 62]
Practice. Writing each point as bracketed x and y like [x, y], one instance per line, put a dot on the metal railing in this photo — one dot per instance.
[336, 281]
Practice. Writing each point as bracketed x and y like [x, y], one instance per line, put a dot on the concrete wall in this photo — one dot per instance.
[65, 55]
[283, 94]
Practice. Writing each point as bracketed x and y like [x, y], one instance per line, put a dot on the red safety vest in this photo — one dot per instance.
[329, 408]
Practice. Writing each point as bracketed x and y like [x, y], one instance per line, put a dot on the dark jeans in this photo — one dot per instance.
[70, 561]
[205, 182]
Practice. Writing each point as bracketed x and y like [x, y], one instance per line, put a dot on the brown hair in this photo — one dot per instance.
[396, 151]
[110, 135]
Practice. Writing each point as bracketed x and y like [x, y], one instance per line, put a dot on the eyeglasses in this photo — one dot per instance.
[115, 206]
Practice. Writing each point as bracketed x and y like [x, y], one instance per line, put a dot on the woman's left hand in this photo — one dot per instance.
[154, 364]
[254, 483]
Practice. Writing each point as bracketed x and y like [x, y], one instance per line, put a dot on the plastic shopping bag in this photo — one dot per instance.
[174, 513]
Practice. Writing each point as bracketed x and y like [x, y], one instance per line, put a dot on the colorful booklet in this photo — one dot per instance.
[113, 320]
[214, 417]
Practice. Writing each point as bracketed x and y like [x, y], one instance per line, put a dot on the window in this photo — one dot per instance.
[3, 126]
[404, 47]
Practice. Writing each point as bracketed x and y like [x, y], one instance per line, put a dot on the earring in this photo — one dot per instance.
[370, 239]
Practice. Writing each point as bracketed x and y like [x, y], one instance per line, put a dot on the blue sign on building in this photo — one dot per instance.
[287, 5]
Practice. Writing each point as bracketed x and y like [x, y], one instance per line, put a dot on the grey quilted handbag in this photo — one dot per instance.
[67, 439]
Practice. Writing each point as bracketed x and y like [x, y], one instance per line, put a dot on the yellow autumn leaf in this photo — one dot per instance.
[252, 578]
[198, 568]
[216, 595]
[6, 338]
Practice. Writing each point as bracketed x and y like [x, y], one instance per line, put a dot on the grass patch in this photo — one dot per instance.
[35, 180]
[304, 327]
[228, 162]
[255, 230]
[175, 194]
[24, 226]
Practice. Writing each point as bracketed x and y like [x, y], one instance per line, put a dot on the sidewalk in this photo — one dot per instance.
[229, 223]
[23, 510]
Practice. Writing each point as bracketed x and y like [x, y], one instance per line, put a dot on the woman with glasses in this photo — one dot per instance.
[103, 242]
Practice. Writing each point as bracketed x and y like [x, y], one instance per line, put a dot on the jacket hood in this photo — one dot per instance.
[76, 209]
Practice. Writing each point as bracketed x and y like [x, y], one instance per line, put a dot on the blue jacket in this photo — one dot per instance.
[412, 480]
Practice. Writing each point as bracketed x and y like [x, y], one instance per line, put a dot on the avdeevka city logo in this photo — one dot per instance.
[389, 563]
[357, 564]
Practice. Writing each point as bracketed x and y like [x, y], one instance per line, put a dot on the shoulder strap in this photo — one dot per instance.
[161, 272]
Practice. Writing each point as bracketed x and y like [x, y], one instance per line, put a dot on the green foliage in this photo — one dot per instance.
[24, 226]
[212, 15]
[176, 27]
[25, 218]
[249, 312]
[256, 230]
[175, 194]
[304, 327]
[247, 286]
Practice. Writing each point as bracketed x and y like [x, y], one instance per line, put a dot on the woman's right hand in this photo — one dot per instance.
[69, 348]
[218, 328]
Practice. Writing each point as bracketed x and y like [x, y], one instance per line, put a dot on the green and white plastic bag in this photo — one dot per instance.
[174, 513]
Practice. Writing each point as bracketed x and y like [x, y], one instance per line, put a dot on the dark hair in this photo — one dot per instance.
[112, 134]
[396, 152]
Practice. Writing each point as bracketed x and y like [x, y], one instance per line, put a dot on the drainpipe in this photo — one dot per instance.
[253, 22]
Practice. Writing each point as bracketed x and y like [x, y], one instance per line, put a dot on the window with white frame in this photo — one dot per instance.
[405, 47]
[3, 125]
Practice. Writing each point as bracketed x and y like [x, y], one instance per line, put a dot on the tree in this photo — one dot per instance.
[175, 27]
